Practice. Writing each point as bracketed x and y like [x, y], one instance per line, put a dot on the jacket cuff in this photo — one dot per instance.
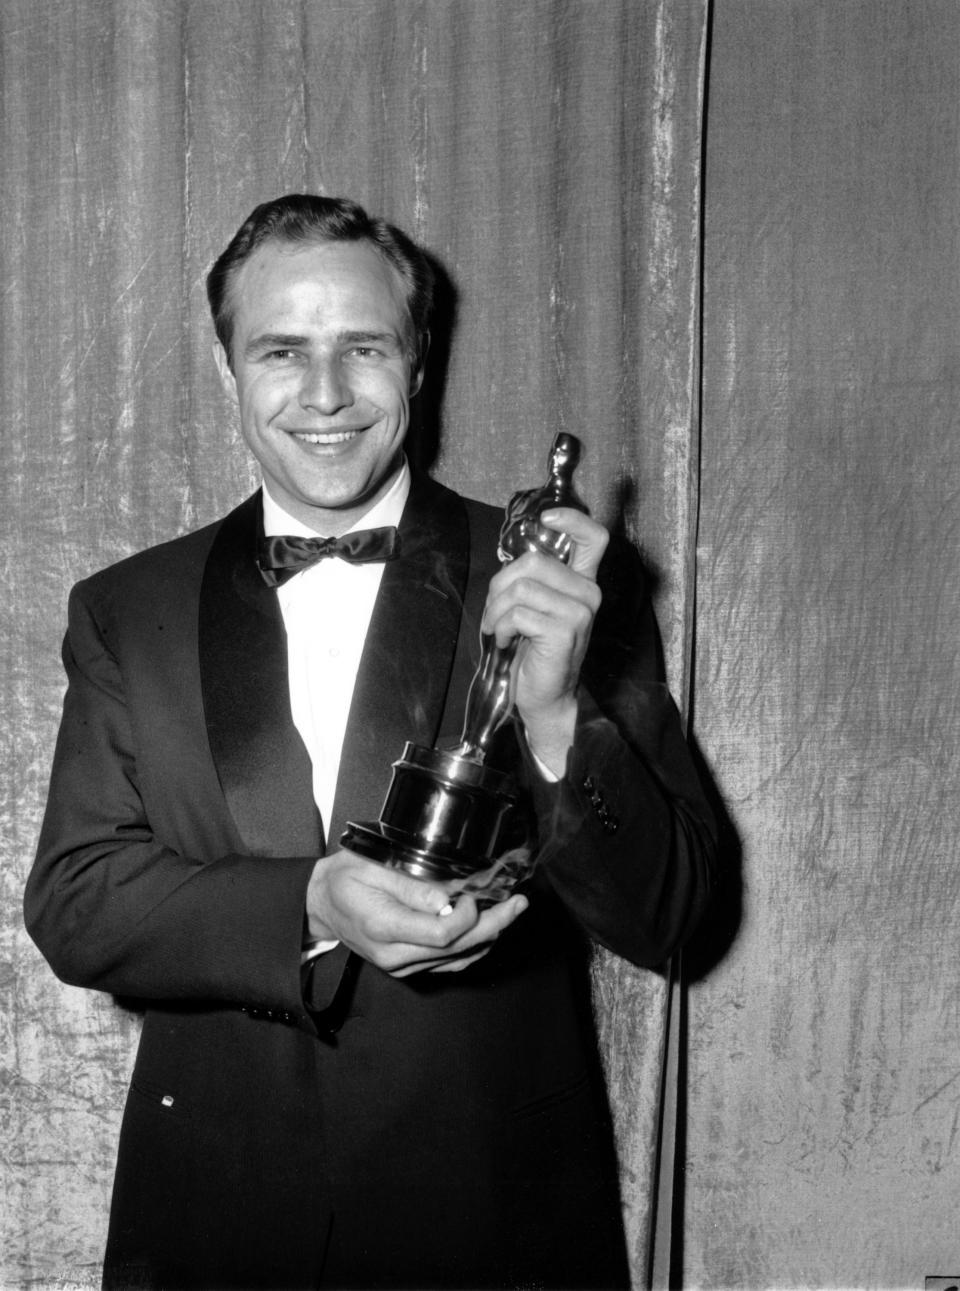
[562, 806]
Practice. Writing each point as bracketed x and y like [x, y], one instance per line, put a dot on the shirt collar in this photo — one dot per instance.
[386, 511]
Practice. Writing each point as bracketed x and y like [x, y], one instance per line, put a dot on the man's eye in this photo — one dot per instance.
[280, 356]
[367, 352]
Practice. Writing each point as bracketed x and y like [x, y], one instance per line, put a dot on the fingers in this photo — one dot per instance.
[353, 900]
[538, 598]
[589, 537]
[542, 583]
[546, 601]
[399, 923]
[467, 948]
[388, 924]
[415, 894]
[552, 607]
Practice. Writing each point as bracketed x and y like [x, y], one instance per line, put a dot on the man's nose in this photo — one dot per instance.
[325, 387]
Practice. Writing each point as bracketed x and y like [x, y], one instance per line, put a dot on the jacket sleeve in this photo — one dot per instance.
[114, 907]
[627, 839]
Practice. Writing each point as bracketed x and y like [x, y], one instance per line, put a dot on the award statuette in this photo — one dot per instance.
[446, 813]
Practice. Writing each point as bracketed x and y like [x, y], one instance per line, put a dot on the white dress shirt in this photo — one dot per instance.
[326, 611]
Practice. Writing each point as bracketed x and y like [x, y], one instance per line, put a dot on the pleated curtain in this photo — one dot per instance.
[548, 155]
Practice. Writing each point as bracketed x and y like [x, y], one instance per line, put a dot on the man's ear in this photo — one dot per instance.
[416, 376]
[227, 379]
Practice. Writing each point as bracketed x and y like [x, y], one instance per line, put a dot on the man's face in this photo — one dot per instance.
[322, 375]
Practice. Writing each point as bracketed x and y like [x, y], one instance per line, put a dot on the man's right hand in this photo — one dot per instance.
[401, 924]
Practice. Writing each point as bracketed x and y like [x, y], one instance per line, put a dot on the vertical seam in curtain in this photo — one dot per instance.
[666, 1238]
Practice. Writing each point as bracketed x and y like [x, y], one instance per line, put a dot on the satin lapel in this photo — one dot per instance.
[263, 766]
[405, 670]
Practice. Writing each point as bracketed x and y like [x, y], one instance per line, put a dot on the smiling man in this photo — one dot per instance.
[323, 364]
[344, 1079]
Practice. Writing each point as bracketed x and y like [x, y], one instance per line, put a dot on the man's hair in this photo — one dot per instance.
[306, 218]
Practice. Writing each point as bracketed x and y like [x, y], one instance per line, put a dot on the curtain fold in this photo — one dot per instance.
[547, 154]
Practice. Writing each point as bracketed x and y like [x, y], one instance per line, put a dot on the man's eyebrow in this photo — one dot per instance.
[370, 338]
[273, 341]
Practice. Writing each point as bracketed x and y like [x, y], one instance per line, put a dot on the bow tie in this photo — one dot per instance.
[279, 557]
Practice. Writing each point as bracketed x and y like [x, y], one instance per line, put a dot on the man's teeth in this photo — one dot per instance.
[330, 437]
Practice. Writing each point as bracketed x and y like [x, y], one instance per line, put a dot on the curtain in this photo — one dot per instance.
[547, 154]
[824, 1032]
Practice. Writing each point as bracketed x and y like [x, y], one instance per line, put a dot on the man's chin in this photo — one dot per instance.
[330, 511]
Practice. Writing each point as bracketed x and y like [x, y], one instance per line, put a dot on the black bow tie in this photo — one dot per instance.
[281, 557]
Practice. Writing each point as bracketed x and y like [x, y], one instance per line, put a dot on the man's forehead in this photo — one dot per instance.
[280, 261]
[349, 273]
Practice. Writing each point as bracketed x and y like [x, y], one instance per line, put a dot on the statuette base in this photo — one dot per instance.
[445, 817]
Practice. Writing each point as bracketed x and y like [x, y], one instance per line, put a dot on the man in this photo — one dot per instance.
[344, 1077]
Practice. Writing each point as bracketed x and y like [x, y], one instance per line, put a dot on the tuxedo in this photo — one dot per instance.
[338, 1126]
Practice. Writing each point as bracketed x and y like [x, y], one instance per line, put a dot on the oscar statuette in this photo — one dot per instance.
[447, 812]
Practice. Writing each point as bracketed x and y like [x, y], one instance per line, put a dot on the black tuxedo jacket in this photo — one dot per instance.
[353, 1129]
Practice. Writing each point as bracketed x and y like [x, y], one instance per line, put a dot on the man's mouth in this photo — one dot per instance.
[324, 436]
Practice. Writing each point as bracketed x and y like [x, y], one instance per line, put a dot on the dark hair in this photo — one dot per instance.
[304, 217]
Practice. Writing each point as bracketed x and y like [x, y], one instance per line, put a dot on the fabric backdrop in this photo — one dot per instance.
[824, 1103]
[547, 153]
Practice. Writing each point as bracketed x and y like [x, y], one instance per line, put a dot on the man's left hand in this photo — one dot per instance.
[552, 607]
